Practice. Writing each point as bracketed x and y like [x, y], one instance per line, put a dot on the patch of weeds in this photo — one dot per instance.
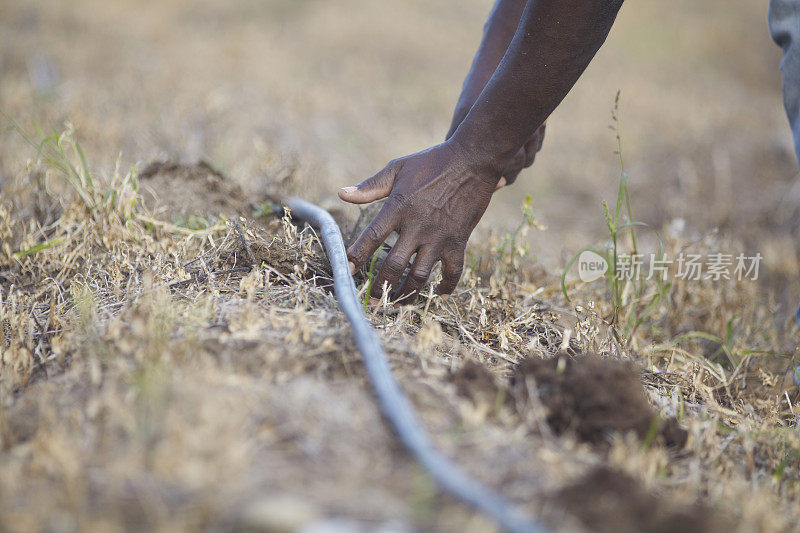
[268, 208]
[63, 153]
[59, 151]
[735, 355]
[634, 297]
[724, 345]
[510, 252]
[192, 222]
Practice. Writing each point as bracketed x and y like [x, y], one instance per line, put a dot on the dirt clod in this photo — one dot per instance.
[608, 500]
[187, 190]
[592, 398]
[474, 381]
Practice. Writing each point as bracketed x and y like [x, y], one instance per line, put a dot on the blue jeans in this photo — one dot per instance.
[784, 24]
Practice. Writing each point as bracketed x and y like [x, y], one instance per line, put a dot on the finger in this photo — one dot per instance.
[373, 236]
[452, 267]
[515, 162]
[534, 146]
[393, 267]
[513, 167]
[540, 134]
[530, 152]
[511, 177]
[420, 272]
[374, 188]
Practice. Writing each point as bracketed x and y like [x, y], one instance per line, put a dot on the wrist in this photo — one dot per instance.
[475, 160]
[473, 86]
[458, 117]
[461, 111]
[484, 145]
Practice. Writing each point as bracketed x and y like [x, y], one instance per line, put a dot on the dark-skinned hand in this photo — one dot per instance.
[436, 197]
[434, 200]
[524, 157]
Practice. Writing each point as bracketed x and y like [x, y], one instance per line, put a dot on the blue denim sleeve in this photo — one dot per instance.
[784, 24]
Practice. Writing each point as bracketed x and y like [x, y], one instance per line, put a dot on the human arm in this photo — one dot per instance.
[553, 45]
[497, 35]
[437, 196]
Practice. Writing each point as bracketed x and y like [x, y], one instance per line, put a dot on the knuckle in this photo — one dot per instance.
[418, 278]
[394, 266]
[400, 200]
[454, 269]
[454, 273]
[373, 234]
[356, 256]
[439, 233]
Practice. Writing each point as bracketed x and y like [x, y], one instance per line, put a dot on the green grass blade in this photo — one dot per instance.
[38, 248]
[84, 166]
[371, 276]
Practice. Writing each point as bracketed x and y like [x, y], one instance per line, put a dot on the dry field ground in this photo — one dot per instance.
[153, 379]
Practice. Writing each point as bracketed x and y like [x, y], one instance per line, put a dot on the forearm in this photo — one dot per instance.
[553, 44]
[497, 35]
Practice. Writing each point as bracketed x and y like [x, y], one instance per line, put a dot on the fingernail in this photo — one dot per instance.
[445, 297]
[352, 188]
[374, 301]
[352, 267]
[501, 183]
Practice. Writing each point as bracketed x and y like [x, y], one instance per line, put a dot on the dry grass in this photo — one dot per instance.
[152, 378]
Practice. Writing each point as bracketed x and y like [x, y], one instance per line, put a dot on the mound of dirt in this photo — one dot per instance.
[474, 381]
[608, 500]
[197, 190]
[592, 398]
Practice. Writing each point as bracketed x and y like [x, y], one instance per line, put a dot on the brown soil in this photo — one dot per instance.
[608, 500]
[130, 402]
[190, 190]
[182, 191]
[592, 398]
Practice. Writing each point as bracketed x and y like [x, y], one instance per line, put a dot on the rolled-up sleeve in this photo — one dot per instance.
[784, 24]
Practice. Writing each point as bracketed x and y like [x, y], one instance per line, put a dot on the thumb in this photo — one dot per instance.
[374, 188]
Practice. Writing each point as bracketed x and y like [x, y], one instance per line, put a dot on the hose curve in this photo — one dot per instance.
[394, 404]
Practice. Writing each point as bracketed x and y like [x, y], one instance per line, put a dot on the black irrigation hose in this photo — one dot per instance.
[393, 403]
